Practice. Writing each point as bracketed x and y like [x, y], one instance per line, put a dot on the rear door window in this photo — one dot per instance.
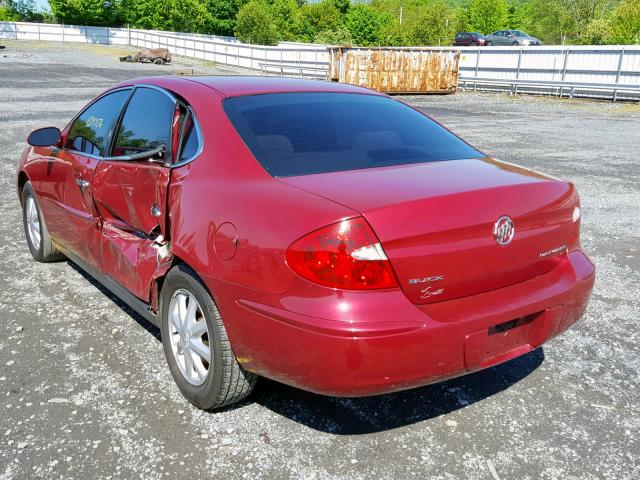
[187, 142]
[306, 133]
[91, 131]
[146, 123]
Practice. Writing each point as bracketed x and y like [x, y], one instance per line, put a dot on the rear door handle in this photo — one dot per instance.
[82, 183]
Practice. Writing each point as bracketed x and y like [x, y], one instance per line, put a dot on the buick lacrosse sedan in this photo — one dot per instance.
[319, 234]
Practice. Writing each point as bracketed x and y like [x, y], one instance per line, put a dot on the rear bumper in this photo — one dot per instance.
[398, 345]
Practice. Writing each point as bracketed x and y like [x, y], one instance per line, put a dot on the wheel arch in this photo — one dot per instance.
[158, 283]
[23, 178]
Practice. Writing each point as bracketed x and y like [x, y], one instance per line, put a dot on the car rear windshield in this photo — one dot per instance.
[305, 133]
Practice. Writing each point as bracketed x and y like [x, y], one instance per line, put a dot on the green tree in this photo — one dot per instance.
[197, 16]
[87, 12]
[285, 16]
[367, 24]
[9, 15]
[597, 33]
[315, 18]
[396, 34]
[255, 24]
[487, 16]
[222, 16]
[548, 21]
[146, 14]
[19, 10]
[625, 23]
[342, 6]
[187, 16]
[340, 36]
[436, 23]
[514, 17]
[583, 12]
[9, 11]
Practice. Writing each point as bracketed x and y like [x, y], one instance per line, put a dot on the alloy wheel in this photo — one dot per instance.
[33, 223]
[189, 337]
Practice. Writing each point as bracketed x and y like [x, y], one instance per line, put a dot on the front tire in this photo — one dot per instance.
[196, 346]
[38, 239]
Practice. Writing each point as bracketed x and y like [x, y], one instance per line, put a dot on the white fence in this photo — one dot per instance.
[306, 60]
[287, 58]
[576, 70]
[602, 71]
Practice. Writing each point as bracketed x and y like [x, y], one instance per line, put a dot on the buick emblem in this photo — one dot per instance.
[503, 230]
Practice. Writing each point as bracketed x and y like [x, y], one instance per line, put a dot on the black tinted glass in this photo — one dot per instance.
[91, 130]
[190, 142]
[146, 123]
[307, 133]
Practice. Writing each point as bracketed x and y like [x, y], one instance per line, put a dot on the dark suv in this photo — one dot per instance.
[466, 39]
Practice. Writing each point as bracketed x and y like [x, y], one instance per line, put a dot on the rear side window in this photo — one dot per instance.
[190, 143]
[90, 132]
[185, 135]
[306, 133]
[146, 123]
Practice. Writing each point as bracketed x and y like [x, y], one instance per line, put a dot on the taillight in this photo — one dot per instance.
[345, 255]
[574, 241]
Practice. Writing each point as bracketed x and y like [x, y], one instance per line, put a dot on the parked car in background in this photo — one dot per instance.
[316, 233]
[467, 39]
[511, 37]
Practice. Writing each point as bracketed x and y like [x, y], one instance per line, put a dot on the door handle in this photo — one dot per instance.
[82, 183]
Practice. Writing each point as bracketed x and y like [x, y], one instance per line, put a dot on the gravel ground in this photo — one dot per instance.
[85, 393]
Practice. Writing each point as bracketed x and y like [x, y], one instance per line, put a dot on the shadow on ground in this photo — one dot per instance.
[152, 329]
[353, 416]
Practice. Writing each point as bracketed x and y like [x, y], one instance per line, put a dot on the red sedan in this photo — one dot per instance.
[319, 234]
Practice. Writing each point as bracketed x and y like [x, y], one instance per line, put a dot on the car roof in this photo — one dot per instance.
[240, 85]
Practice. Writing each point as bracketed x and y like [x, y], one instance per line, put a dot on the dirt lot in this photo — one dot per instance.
[85, 393]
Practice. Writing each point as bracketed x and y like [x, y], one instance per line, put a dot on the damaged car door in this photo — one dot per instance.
[67, 184]
[131, 190]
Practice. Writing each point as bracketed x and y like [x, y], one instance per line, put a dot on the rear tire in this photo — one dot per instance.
[489, 44]
[515, 44]
[38, 239]
[196, 346]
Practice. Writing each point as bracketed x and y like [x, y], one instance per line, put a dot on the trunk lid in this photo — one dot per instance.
[436, 222]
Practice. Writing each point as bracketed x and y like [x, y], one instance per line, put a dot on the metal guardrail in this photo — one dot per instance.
[611, 72]
[612, 91]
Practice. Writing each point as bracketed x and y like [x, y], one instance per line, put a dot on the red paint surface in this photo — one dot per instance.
[432, 219]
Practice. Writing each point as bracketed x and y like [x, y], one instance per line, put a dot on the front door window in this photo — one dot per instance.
[91, 131]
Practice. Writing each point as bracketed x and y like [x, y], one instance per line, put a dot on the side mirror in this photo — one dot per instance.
[44, 137]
